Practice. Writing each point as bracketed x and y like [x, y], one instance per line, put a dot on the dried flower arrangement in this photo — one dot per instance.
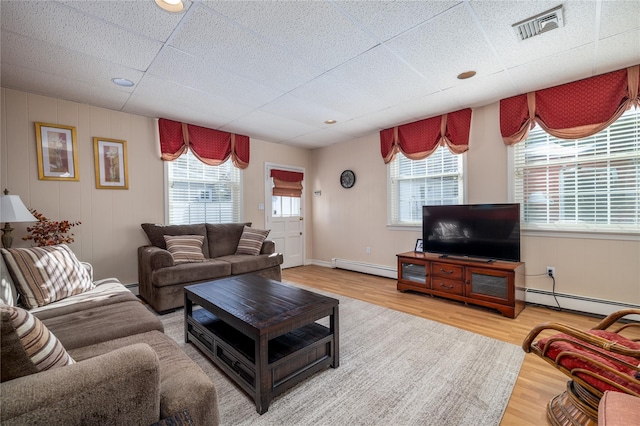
[49, 232]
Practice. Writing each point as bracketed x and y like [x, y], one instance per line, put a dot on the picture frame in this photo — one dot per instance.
[110, 158]
[57, 152]
[418, 248]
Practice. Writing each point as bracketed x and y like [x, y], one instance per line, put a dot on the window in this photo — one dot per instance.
[283, 206]
[590, 184]
[200, 193]
[436, 180]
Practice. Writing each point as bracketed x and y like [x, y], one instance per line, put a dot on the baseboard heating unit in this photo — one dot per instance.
[577, 303]
[367, 268]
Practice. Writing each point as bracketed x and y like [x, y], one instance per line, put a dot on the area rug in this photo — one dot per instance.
[395, 369]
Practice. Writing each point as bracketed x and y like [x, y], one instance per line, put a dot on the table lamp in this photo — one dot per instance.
[12, 210]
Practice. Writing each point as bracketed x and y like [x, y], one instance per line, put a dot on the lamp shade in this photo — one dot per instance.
[13, 210]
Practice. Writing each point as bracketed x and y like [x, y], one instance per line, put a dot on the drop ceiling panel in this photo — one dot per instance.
[71, 90]
[302, 110]
[619, 51]
[497, 17]
[141, 17]
[429, 106]
[577, 64]
[441, 54]
[476, 92]
[615, 17]
[70, 64]
[77, 31]
[278, 128]
[322, 137]
[387, 19]
[187, 70]
[210, 36]
[314, 31]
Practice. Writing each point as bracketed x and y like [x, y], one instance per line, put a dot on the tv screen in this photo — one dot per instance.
[485, 231]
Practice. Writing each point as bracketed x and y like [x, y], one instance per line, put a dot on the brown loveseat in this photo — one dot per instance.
[162, 280]
[126, 370]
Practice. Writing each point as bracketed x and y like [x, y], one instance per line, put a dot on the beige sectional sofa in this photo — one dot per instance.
[162, 280]
[125, 370]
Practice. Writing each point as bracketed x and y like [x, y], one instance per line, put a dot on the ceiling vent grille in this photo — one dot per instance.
[541, 23]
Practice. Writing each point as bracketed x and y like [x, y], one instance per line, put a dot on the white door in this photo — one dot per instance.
[285, 220]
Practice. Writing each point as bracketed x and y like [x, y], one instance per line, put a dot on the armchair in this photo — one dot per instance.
[598, 360]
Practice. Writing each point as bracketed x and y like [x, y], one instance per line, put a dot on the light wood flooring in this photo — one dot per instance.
[537, 382]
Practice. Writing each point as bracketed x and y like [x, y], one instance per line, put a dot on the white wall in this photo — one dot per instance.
[110, 232]
[346, 221]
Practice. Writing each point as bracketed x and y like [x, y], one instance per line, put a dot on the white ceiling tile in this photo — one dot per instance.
[201, 74]
[576, 65]
[387, 19]
[70, 64]
[619, 51]
[77, 31]
[312, 30]
[142, 17]
[302, 110]
[497, 18]
[259, 124]
[429, 106]
[479, 91]
[441, 54]
[323, 137]
[619, 16]
[210, 36]
[33, 81]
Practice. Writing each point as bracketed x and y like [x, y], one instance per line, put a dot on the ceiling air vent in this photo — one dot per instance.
[541, 23]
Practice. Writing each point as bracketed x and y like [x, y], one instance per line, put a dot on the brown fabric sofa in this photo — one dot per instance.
[127, 370]
[162, 281]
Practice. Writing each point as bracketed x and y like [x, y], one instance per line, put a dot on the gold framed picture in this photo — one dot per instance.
[57, 152]
[110, 157]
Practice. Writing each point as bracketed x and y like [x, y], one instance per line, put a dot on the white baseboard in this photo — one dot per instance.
[577, 303]
[353, 265]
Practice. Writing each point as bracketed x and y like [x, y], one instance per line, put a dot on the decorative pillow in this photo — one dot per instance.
[185, 248]
[45, 274]
[156, 232]
[251, 241]
[43, 348]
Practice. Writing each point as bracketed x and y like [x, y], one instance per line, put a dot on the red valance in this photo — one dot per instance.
[212, 147]
[287, 183]
[573, 110]
[420, 139]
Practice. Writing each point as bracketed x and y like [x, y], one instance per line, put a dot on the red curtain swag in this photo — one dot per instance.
[573, 110]
[287, 183]
[212, 147]
[420, 139]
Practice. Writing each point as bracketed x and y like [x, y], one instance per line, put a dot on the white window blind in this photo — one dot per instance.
[590, 184]
[199, 193]
[436, 180]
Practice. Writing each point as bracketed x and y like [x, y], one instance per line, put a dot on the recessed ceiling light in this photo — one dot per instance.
[173, 6]
[330, 122]
[465, 75]
[122, 82]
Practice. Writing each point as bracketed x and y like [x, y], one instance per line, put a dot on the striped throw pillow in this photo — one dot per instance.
[43, 348]
[251, 241]
[185, 248]
[46, 274]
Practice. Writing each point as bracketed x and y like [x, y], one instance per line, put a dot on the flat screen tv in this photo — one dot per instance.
[485, 232]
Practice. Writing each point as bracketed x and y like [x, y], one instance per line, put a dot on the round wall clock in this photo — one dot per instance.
[347, 179]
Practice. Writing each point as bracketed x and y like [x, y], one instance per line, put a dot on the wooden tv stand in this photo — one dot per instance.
[492, 284]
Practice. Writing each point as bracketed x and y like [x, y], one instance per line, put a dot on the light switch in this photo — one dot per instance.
[260, 206]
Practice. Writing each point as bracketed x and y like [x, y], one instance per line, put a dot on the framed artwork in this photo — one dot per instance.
[110, 157]
[418, 247]
[57, 152]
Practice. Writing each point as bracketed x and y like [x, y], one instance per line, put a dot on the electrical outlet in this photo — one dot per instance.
[551, 271]
[368, 250]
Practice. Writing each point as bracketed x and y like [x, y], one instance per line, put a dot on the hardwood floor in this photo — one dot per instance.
[537, 382]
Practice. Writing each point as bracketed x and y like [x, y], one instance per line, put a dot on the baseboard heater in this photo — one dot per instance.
[576, 303]
[367, 268]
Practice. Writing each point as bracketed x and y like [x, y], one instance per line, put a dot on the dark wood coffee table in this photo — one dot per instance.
[262, 333]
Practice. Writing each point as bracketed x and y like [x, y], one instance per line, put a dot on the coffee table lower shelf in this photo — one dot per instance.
[292, 357]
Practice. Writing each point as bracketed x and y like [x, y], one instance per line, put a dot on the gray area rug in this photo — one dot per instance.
[395, 369]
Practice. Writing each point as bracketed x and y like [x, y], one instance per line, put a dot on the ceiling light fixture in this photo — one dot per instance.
[122, 82]
[330, 122]
[173, 6]
[465, 75]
